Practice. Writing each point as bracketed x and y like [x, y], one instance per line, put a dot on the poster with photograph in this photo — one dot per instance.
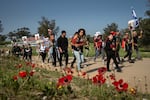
[37, 36]
[24, 39]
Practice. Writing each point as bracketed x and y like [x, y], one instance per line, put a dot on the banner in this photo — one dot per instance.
[37, 36]
[24, 39]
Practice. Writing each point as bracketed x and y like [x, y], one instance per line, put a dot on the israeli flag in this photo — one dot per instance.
[134, 14]
[136, 21]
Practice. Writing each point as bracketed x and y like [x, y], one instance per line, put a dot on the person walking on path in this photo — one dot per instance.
[76, 46]
[97, 44]
[62, 43]
[110, 52]
[43, 51]
[135, 43]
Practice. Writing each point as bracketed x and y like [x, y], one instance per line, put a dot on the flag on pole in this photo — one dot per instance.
[134, 14]
[136, 22]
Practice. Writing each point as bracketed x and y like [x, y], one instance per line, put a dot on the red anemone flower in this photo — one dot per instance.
[98, 79]
[19, 66]
[112, 77]
[65, 80]
[15, 78]
[120, 85]
[28, 63]
[32, 65]
[68, 71]
[83, 73]
[22, 74]
[31, 73]
[102, 70]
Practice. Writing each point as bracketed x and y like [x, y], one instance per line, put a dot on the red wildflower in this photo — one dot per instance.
[22, 74]
[28, 63]
[83, 73]
[112, 77]
[32, 65]
[120, 86]
[65, 80]
[19, 66]
[102, 70]
[68, 70]
[31, 73]
[98, 79]
[15, 78]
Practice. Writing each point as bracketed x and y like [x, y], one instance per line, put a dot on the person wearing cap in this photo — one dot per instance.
[97, 44]
[110, 49]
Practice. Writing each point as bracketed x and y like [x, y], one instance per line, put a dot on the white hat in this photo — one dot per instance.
[97, 34]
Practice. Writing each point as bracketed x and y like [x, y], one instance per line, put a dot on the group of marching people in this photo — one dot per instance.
[55, 48]
[108, 48]
[25, 51]
[112, 44]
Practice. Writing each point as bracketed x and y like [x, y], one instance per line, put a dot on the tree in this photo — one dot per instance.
[24, 31]
[90, 38]
[145, 26]
[45, 24]
[2, 38]
[109, 28]
[1, 27]
[148, 11]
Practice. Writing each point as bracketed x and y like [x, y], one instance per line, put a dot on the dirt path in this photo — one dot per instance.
[136, 74]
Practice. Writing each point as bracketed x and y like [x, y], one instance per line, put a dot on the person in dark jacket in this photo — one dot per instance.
[30, 53]
[110, 52]
[62, 43]
[128, 48]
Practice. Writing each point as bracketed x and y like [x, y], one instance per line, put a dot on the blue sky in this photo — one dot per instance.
[70, 15]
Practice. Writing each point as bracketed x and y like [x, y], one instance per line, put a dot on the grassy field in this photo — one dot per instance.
[144, 52]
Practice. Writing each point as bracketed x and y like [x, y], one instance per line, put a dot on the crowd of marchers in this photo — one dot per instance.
[108, 48]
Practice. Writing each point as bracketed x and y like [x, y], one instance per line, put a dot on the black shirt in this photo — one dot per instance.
[62, 42]
[135, 39]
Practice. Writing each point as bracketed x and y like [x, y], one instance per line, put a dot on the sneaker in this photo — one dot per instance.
[81, 67]
[122, 60]
[72, 66]
[108, 70]
[131, 61]
[119, 70]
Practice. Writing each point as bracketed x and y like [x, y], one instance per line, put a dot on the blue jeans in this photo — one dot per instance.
[97, 53]
[80, 58]
[50, 54]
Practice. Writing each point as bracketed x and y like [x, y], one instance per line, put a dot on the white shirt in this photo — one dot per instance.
[42, 48]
